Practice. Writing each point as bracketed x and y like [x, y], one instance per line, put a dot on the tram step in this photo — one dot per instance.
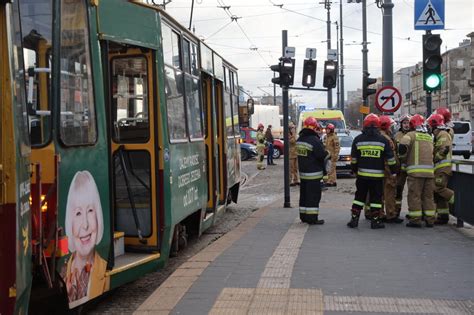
[119, 243]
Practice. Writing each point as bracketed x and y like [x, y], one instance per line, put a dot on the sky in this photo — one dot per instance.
[252, 42]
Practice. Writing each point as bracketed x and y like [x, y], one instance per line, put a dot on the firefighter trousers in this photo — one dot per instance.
[260, 157]
[421, 199]
[310, 196]
[332, 172]
[389, 195]
[401, 180]
[373, 187]
[294, 177]
[443, 195]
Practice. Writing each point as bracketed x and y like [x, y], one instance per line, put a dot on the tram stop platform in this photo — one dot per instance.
[273, 264]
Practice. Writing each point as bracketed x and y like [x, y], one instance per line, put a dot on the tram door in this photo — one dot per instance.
[221, 142]
[133, 145]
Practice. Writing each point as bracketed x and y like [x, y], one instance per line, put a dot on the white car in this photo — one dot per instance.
[462, 142]
[343, 164]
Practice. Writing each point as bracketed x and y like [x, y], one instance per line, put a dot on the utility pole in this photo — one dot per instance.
[341, 59]
[365, 62]
[286, 162]
[274, 92]
[338, 93]
[327, 6]
[387, 55]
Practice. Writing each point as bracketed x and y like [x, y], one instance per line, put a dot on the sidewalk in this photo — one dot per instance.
[273, 264]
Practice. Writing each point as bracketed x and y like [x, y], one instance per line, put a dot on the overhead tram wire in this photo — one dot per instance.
[220, 29]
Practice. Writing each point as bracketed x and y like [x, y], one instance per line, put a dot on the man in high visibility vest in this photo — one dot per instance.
[416, 150]
[402, 174]
[442, 167]
[369, 152]
[333, 147]
[260, 147]
[389, 182]
[311, 164]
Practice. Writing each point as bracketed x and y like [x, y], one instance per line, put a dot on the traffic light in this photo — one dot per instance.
[432, 61]
[366, 83]
[286, 70]
[330, 74]
[309, 73]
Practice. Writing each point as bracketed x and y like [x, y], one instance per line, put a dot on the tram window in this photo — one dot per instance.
[194, 60]
[170, 46]
[193, 107]
[186, 59]
[36, 24]
[227, 79]
[228, 114]
[175, 103]
[235, 110]
[130, 99]
[77, 120]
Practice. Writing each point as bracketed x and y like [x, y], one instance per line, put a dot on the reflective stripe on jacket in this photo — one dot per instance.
[311, 155]
[443, 146]
[419, 155]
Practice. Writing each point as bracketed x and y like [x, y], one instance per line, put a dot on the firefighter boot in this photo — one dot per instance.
[354, 222]
[376, 222]
[442, 219]
[313, 219]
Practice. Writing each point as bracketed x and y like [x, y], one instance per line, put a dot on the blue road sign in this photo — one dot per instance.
[429, 14]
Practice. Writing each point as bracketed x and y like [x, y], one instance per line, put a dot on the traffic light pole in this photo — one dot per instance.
[327, 5]
[286, 158]
[387, 55]
[341, 59]
[365, 67]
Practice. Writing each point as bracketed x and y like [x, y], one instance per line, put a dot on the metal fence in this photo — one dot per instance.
[462, 182]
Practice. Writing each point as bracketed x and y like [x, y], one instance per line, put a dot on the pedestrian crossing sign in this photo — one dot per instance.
[429, 14]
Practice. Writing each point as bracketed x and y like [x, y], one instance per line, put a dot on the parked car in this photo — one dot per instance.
[247, 151]
[343, 164]
[249, 135]
[462, 142]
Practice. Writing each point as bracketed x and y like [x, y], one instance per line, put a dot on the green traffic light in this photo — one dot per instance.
[433, 81]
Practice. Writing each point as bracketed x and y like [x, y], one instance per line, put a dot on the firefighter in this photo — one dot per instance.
[294, 178]
[389, 182]
[402, 174]
[260, 146]
[333, 147]
[311, 164]
[442, 167]
[416, 150]
[369, 152]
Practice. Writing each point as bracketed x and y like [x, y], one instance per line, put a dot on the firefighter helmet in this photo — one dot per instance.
[372, 120]
[260, 125]
[443, 111]
[435, 120]
[330, 127]
[386, 122]
[311, 123]
[416, 121]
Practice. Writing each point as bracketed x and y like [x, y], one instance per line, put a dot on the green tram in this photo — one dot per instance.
[134, 130]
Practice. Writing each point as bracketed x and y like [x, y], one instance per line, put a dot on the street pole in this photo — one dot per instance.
[338, 93]
[387, 55]
[341, 59]
[327, 6]
[428, 104]
[365, 62]
[286, 162]
[274, 91]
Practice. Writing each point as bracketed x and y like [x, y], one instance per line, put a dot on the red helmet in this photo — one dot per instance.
[310, 123]
[435, 120]
[330, 127]
[386, 122]
[443, 111]
[260, 125]
[372, 120]
[416, 121]
[405, 117]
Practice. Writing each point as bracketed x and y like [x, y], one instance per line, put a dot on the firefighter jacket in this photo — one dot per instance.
[398, 136]
[260, 139]
[416, 150]
[311, 155]
[292, 142]
[332, 145]
[443, 145]
[369, 152]
[391, 142]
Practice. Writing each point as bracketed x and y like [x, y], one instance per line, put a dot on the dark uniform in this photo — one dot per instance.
[369, 152]
[311, 164]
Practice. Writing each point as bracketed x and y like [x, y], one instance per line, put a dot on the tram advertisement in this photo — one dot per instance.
[84, 272]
